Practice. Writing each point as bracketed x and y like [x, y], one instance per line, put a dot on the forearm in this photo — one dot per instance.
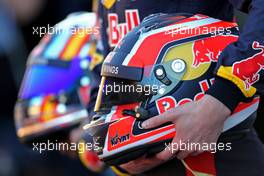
[241, 63]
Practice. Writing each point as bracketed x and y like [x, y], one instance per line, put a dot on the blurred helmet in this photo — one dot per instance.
[167, 61]
[55, 88]
[87, 155]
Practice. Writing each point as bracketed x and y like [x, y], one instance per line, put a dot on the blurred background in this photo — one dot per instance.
[17, 19]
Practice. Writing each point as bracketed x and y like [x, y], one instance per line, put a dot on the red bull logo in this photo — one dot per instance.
[118, 30]
[248, 69]
[165, 103]
[209, 50]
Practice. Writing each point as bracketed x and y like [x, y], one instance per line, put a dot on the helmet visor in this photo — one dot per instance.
[116, 91]
[45, 79]
[157, 81]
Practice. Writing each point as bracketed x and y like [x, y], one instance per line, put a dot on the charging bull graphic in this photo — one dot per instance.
[209, 50]
[248, 69]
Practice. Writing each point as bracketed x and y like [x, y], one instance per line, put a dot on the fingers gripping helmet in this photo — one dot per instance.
[55, 87]
[167, 61]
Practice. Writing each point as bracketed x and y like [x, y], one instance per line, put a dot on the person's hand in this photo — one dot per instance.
[195, 122]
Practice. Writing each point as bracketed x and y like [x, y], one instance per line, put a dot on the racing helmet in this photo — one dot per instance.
[165, 62]
[56, 85]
